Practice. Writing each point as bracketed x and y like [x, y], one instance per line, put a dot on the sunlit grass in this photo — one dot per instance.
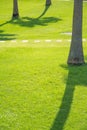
[32, 85]
[38, 90]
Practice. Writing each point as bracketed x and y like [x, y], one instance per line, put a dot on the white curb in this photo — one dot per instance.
[48, 40]
[2, 41]
[36, 41]
[25, 41]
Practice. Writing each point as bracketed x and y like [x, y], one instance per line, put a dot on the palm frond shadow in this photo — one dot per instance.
[76, 76]
[32, 22]
[6, 36]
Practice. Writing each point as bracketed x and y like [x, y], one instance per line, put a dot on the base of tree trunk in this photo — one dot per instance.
[75, 61]
[15, 15]
[48, 4]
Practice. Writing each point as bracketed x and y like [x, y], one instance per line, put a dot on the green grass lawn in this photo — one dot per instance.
[57, 20]
[38, 90]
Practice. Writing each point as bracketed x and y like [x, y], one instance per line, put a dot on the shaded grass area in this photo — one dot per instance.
[5, 36]
[75, 79]
[38, 91]
[32, 22]
[38, 21]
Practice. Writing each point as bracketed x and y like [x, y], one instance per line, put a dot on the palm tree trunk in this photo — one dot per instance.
[48, 2]
[15, 9]
[76, 49]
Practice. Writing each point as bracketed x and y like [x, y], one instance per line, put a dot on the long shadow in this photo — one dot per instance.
[5, 36]
[32, 22]
[75, 77]
[44, 12]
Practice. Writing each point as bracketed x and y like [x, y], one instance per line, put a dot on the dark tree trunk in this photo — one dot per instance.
[15, 9]
[76, 49]
[48, 2]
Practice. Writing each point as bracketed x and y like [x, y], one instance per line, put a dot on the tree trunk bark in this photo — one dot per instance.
[15, 9]
[48, 2]
[76, 49]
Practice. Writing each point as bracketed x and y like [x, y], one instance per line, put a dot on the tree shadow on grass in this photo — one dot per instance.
[76, 76]
[32, 22]
[5, 36]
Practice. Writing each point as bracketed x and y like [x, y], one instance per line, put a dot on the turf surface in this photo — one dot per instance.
[38, 90]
